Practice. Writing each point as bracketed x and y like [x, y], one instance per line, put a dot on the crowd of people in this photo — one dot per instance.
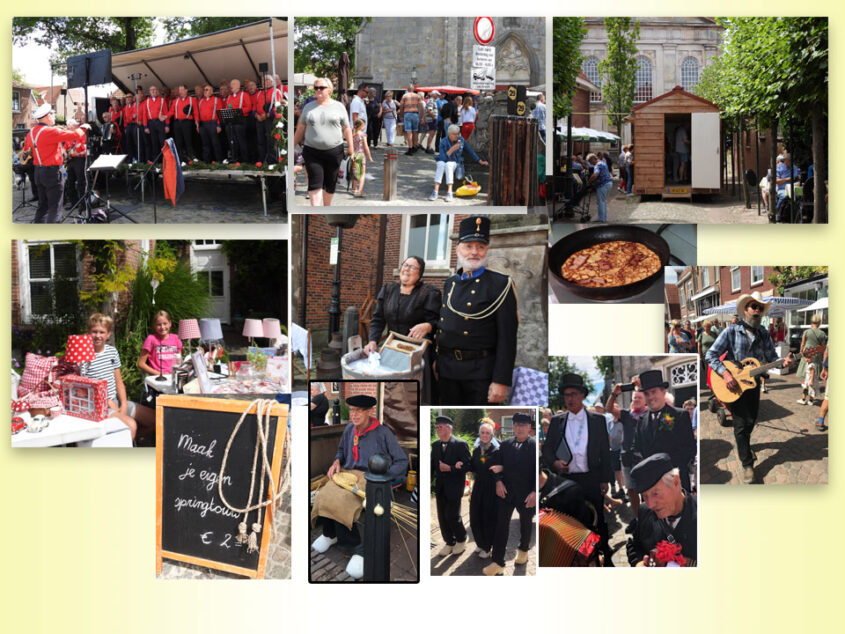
[191, 116]
[592, 459]
[503, 483]
[435, 123]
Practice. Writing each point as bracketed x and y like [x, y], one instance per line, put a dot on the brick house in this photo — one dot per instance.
[699, 288]
[22, 107]
[67, 102]
[739, 280]
[371, 252]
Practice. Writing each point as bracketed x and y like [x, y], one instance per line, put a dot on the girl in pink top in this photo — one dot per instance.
[161, 349]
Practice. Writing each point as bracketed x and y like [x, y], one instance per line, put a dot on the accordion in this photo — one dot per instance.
[566, 542]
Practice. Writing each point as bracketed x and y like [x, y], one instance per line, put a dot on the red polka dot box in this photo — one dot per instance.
[85, 397]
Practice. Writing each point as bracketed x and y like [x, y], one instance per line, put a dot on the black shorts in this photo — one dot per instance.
[322, 167]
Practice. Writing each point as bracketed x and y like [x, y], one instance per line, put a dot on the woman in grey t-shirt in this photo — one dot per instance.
[323, 127]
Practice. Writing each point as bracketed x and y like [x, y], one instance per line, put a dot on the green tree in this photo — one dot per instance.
[605, 365]
[783, 275]
[775, 71]
[319, 42]
[568, 32]
[619, 68]
[558, 366]
[18, 76]
[67, 36]
[178, 28]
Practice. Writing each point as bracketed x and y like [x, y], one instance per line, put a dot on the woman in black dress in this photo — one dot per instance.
[482, 502]
[410, 308]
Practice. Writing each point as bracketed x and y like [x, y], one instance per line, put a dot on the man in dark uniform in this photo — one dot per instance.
[669, 513]
[45, 142]
[240, 100]
[514, 469]
[476, 335]
[741, 340]
[450, 460]
[362, 438]
[665, 429]
[265, 103]
[578, 449]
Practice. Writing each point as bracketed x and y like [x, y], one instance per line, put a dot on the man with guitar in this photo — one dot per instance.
[733, 380]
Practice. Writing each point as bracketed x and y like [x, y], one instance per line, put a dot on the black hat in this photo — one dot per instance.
[474, 229]
[361, 400]
[523, 418]
[649, 471]
[443, 420]
[572, 380]
[652, 378]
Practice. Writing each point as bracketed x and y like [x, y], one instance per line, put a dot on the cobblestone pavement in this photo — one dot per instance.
[414, 184]
[205, 201]
[331, 565]
[278, 556]
[468, 563]
[789, 448]
[710, 209]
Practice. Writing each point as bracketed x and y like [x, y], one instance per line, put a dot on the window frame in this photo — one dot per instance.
[639, 90]
[25, 281]
[595, 97]
[738, 270]
[433, 268]
[683, 69]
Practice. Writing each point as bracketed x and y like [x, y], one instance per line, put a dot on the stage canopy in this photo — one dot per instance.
[232, 53]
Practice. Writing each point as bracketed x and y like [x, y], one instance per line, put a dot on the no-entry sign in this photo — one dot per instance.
[484, 30]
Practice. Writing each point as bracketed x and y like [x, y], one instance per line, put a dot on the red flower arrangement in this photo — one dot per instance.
[665, 553]
[277, 136]
[259, 164]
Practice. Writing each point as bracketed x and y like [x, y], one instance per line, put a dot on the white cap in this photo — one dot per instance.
[42, 111]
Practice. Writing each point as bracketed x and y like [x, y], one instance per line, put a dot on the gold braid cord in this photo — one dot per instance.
[487, 312]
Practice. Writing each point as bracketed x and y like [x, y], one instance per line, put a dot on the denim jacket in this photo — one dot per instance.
[458, 155]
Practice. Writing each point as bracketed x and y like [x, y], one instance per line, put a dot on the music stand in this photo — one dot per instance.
[231, 116]
[24, 203]
[107, 163]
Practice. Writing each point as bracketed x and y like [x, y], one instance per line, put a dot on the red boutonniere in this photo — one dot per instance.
[665, 553]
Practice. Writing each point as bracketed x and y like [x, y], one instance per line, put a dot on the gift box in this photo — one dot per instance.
[85, 397]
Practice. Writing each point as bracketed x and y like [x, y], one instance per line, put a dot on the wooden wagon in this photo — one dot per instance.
[655, 124]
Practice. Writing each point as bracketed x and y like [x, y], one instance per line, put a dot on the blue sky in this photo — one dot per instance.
[587, 366]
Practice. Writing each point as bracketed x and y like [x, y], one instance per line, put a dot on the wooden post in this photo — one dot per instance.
[391, 171]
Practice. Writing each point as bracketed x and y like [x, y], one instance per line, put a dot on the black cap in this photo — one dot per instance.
[652, 378]
[522, 418]
[649, 471]
[443, 420]
[572, 380]
[361, 400]
[474, 229]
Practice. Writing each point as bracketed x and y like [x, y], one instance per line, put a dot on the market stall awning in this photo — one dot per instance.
[214, 57]
[707, 291]
[588, 135]
[455, 90]
[303, 79]
[819, 304]
[780, 306]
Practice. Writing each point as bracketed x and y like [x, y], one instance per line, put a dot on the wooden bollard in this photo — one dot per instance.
[391, 173]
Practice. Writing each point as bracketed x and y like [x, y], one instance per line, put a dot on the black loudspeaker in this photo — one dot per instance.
[90, 69]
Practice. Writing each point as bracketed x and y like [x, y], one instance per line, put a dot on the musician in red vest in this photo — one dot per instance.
[45, 141]
[265, 116]
[185, 115]
[132, 144]
[241, 100]
[77, 150]
[209, 124]
[154, 119]
[741, 340]
[146, 146]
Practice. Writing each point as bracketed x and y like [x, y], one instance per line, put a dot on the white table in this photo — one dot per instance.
[67, 429]
[162, 387]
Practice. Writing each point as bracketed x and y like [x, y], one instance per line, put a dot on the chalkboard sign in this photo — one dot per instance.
[193, 524]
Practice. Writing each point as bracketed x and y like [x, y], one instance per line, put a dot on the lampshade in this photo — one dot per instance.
[79, 348]
[189, 329]
[210, 329]
[253, 328]
[272, 328]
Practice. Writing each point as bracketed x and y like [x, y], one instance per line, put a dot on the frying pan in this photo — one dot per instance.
[585, 238]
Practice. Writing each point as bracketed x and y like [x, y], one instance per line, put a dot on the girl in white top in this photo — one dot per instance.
[388, 117]
[468, 115]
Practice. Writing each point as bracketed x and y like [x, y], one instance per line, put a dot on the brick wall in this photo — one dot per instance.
[351, 388]
[581, 109]
[358, 267]
[16, 291]
[727, 292]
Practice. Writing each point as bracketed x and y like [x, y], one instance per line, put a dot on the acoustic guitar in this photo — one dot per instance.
[745, 374]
